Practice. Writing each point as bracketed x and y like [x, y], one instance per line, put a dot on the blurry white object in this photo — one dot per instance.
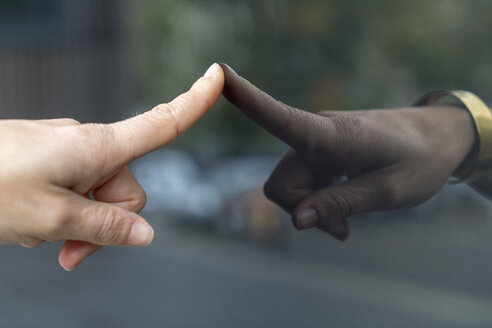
[174, 185]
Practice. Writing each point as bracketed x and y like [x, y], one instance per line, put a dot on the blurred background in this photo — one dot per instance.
[223, 256]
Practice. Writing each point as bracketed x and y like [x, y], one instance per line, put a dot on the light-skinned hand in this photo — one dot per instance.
[49, 169]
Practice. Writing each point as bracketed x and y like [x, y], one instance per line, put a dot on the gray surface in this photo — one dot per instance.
[397, 270]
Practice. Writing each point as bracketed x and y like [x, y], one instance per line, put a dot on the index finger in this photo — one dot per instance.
[294, 126]
[139, 135]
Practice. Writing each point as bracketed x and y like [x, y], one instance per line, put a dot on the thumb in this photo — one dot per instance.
[105, 224]
[328, 208]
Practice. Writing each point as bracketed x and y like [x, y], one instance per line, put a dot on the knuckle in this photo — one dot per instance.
[55, 223]
[350, 131]
[109, 230]
[139, 199]
[335, 205]
[91, 139]
[289, 117]
[96, 132]
[164, 109]
[51, 230]
[198, 97]
[169, 113]
[389, 192]
[347, 126]
[342, 203]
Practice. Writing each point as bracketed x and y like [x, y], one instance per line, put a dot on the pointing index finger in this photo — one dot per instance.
[153, 129]
[287, 123]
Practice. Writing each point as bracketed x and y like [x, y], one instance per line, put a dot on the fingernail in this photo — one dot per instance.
[212, 70]
[65, 268]
[140, 234]
[307, 218]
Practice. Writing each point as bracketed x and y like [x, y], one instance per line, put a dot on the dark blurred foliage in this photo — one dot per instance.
[337, 55]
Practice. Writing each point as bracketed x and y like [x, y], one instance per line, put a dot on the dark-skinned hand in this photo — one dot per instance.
[347, 163]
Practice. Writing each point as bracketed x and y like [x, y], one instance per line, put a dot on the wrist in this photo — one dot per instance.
[467, 166]
[478, 160]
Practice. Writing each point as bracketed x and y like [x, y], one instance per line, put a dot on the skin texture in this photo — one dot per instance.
[50, 167]
[347, 163]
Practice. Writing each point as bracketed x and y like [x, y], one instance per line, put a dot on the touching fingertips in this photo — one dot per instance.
[212, 70]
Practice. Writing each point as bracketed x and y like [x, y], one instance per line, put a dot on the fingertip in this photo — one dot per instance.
[235, 87]
[141, 234]
[231, 79]
[63, 260]
[74, 252]
[305, 218]
[343, 235]
[210, 85]
[227, 69]
[213, 70]
[339, 230]
[66, 268]
[225, 66]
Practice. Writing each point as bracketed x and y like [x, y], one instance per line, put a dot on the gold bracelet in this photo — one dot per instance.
[482, 119]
